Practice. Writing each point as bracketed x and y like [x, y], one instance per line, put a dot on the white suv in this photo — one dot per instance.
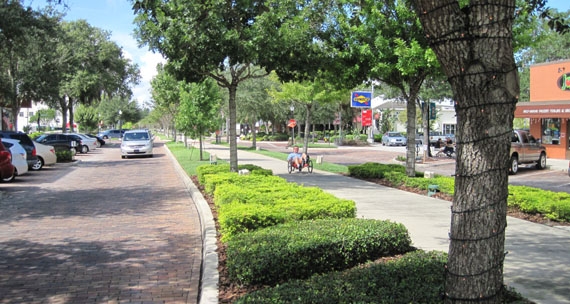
[137, 143]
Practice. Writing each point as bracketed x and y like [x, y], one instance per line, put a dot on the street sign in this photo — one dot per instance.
[360, 99]
[366, 118]
[292, 123]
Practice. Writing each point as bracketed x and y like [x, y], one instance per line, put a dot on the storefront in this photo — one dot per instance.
[549, 107]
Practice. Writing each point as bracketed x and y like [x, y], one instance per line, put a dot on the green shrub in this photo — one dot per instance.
[374, 170]
[63, 156]
[245, 208]
[416, 277]
[377, 137]
[553, 205]
[301, 249]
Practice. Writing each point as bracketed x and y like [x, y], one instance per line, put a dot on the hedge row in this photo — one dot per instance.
[553, 205]
[417, 277]
[249, 202]
[300, 249]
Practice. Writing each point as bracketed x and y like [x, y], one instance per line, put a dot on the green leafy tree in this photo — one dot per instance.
[384, 41]
[43, 116]
[26, 44]
[166, 96]
[87, 117]
[254, 103]
[92, 67]
[228, 41]
[199, 109]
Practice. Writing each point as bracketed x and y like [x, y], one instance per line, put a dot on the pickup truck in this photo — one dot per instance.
[525, 149]
[433, 137]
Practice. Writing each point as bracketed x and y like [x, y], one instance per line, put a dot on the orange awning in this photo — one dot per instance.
[543, 109]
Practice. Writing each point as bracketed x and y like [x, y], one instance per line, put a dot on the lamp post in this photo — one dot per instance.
[292, 108]
[120, 113]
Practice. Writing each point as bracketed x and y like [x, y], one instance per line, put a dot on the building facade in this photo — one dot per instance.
[549, 108]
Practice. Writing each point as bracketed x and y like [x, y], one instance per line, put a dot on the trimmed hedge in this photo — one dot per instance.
[374, 170]
[417, 277]
[300, 249]
[553, 205]
[247, 203]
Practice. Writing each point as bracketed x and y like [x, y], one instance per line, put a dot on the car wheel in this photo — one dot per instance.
[541, 161]
[38, 165]
[97, 144]
[514, 167]
[73, 150]
[84, 149]
[11, 178]
[105, 137]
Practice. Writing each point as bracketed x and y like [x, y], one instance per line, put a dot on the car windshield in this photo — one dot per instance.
[135, 136]
[394, 135]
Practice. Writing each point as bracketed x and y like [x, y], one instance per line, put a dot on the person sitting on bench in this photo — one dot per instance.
[448, 149]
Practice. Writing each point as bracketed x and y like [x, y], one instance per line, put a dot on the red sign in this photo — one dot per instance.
[366, 118]
[292, 123]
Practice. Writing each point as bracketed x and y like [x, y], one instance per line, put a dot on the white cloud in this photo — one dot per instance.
[145, 59]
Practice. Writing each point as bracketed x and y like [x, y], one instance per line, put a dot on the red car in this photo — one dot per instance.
[6, 168]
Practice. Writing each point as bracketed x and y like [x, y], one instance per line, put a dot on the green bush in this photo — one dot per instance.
[374, 170]
[553, 205]
[377, 137]
[245, 207]
[416, 277]
[303, 248]
[63, 156]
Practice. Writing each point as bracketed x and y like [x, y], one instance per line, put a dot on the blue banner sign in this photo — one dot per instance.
[361, 99]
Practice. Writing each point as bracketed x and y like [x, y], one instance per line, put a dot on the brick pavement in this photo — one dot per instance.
[103, 231]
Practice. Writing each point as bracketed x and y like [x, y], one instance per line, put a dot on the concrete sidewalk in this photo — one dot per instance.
[538, 259]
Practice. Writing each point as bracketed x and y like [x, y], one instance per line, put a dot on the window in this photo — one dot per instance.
[550, 131]
[449, 129]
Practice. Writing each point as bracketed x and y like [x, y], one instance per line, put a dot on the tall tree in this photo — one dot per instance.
[199, 109]
[26, 42]
[93, 67]
[254, 103]
[204, 39]
[473, 41]
[383, 40]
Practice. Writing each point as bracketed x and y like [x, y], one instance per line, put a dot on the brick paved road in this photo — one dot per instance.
[104, 230]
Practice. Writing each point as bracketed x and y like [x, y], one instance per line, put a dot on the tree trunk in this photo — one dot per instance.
[233, 143]
[474, 46]
[307, 127]
[411, 143]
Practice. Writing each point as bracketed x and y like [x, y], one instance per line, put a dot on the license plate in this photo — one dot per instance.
[136, 150]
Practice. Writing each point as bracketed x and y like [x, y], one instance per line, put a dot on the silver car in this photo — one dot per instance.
[393, 139]
[137, 143]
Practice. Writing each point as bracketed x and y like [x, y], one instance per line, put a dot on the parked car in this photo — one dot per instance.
[18, 158]
[6, 167]
[100, 140]
[113, 133]
[525, 149]
[393, 139]
[87, 143]
[61, 142]
[137, 143]
[46, 156]
[26, 142]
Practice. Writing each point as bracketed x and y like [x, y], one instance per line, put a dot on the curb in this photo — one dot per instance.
[209, 276]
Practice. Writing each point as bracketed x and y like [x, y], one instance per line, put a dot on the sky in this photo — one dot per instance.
[116, 16]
